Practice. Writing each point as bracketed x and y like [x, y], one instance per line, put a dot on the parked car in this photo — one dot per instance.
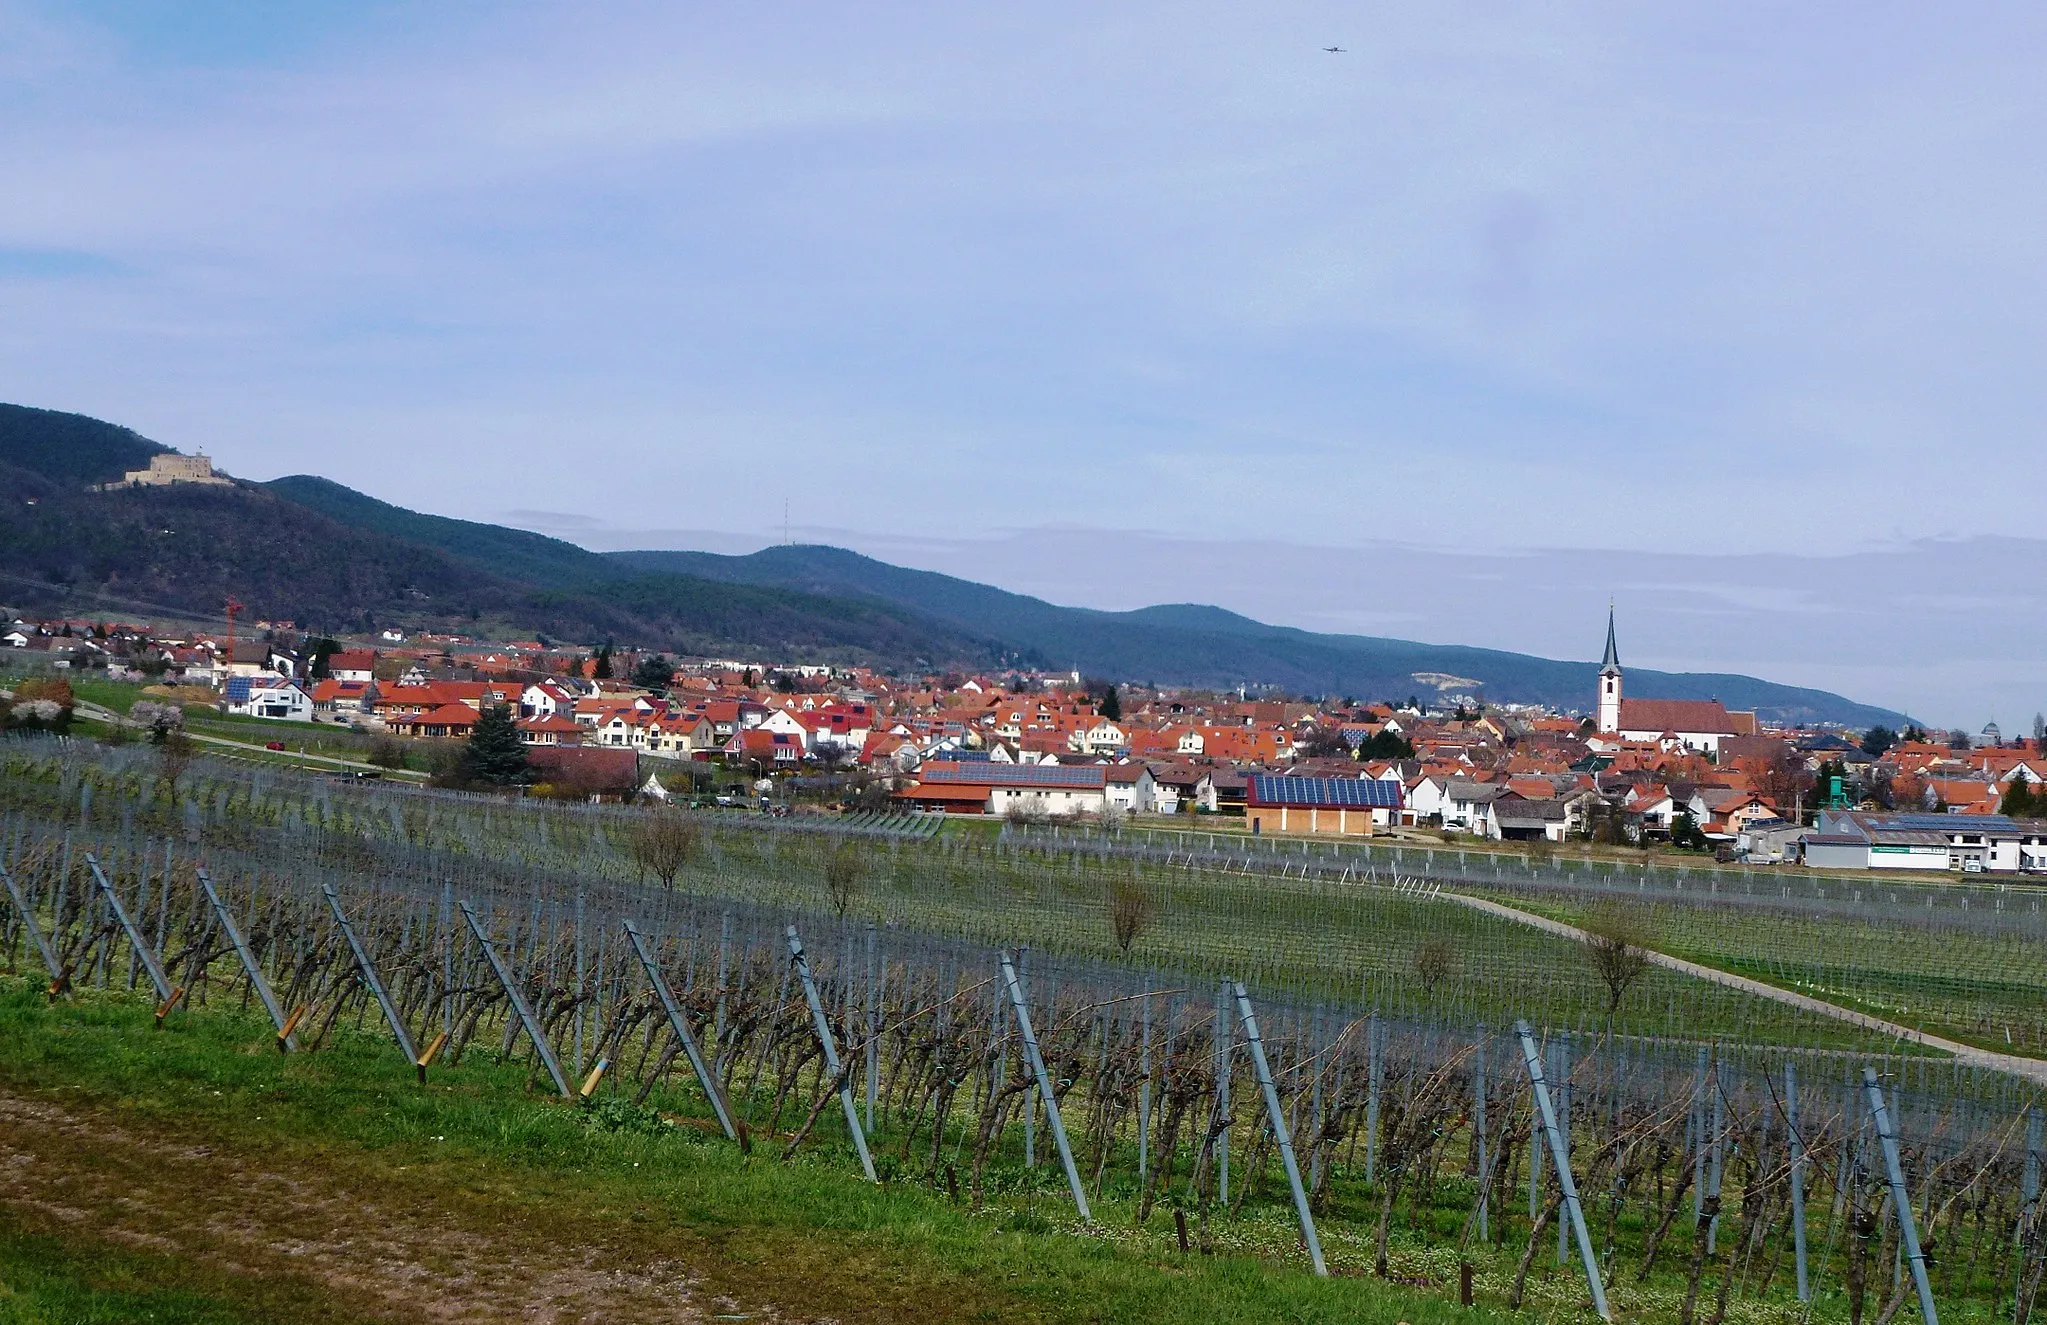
[273, 745]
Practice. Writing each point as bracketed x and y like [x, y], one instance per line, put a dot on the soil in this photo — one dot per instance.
[410, 1253]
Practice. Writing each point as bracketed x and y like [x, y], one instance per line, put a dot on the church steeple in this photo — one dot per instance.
[1610, 682]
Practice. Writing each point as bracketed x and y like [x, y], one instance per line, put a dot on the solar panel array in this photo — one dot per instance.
[1022, 775]
[238, 689]
[1946, 823]
[1338, 793]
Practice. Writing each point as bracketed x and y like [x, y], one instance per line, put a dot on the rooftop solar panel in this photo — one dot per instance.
[1026, 775]
[1948, 823]
[238, 690]
[1341, 793]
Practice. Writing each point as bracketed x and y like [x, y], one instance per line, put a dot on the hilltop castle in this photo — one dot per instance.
[173, 468]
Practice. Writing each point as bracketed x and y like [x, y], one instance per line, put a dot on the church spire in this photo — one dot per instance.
[1612, 662]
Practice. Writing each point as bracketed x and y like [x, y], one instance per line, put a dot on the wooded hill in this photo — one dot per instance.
[330, 558]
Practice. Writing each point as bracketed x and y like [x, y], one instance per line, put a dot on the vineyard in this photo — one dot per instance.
[1325, 1067]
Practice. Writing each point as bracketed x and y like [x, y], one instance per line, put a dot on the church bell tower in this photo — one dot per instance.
[1610, 683]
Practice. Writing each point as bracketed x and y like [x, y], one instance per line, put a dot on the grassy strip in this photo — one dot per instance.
[804, 1234]
[48, 1277]
[1902, 977]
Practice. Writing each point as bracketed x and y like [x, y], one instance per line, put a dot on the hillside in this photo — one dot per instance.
[309, 550]
[43, 451]
[316, 553]
[1200, 645]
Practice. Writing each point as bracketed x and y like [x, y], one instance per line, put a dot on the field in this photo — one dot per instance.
[552, 1201]
[1407, 1105]
[1985, 989]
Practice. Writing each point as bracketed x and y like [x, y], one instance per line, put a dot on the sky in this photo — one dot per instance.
[1730, 313]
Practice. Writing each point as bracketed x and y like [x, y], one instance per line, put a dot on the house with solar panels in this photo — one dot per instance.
[1352, 807]
[1032, 791]
[275, 697]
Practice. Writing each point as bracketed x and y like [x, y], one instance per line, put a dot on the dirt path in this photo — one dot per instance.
[2032, 1069]
[98, 713]
[383, 1255]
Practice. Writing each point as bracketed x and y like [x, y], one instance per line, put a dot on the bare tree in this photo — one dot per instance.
[1616, 943]
[173, 756]
[1435, 960]
[844, 866]
[1129, 912]
[663, 842]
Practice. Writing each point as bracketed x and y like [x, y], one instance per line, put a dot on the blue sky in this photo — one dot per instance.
[1731, 312]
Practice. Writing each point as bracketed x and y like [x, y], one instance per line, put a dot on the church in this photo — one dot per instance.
[1699, 725]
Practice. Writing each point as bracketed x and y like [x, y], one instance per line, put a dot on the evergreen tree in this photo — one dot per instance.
[1877, 741]
[602, 671]
[495, 756]
[1685, 832]
[1386, 744]
[654, 672]
[2020, 803]
[1112, 705]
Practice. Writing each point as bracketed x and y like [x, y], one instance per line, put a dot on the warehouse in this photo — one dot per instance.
[1347, 806]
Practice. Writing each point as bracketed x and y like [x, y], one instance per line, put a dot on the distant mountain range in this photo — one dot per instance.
[331, 558]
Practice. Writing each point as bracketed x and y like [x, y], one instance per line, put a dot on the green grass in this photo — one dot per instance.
[47, 1278]
[1306, 939]
[806, 1235]
[479, 1155]
[1989, 991]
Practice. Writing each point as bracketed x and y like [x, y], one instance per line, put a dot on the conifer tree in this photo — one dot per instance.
[495, 756]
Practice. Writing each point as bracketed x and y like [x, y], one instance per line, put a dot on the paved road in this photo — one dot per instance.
[2032, 1069]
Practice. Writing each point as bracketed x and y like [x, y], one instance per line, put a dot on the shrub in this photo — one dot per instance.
[1129, 912]
[844, 866]
[1435, 960]
[386, 752]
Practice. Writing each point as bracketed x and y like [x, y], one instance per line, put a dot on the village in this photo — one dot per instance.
[1042, 748]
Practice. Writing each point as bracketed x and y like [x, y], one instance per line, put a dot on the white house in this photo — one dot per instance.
[267, 697]
[546, 699]
[1469, 806]
[1429, 798]
[1100, 737]
[1130, 788]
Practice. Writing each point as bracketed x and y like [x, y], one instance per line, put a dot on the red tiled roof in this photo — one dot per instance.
[1705, 716]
